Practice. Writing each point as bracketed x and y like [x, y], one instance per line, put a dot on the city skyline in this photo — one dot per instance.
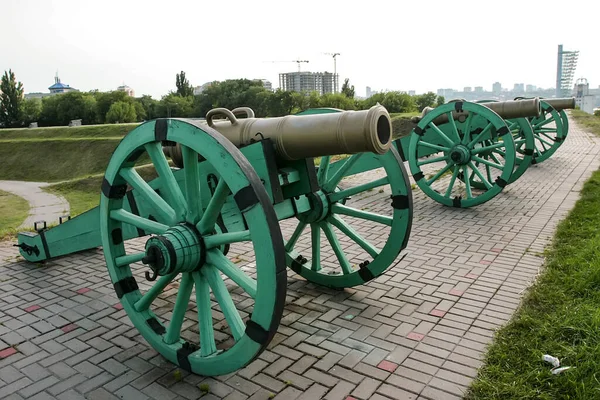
[393, 49]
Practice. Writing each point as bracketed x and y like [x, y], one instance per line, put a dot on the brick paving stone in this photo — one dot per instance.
[428, 318]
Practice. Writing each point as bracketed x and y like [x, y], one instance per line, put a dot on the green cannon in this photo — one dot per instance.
[211, 220]
[468, 143]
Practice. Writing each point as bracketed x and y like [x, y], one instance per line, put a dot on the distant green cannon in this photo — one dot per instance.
[223, 198]
[470, 144]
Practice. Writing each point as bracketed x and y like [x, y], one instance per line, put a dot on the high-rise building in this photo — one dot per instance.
[478, 89]
[412, 92]
[467, 89]
[530, 88]
[369, 92]
[124, 88]
[321, 82]
[497, 88]
[565, 70]
[519, 88]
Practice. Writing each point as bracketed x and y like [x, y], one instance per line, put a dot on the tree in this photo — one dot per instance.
[11, 97]
[173, 106]
[121, 112]
[184, 89]
[425, 100]
[348, 90]
[440, 100]
[31, 110]
[104, 100]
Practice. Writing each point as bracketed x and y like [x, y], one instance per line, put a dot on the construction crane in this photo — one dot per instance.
[296, 61]
[335, 79]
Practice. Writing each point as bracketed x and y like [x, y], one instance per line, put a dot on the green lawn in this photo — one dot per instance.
[86, 131]
[560, 316]
[592, 122]
[13, 211]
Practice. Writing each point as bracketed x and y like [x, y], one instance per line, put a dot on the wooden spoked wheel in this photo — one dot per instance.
[185, 248]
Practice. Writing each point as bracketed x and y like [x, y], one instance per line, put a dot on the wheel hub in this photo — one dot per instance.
[319, 208]
[180, 249]
[460, 154]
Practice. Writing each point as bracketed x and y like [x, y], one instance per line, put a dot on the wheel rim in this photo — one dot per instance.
[547, 138]
[462, 148]
[185, 216]
[336, 218]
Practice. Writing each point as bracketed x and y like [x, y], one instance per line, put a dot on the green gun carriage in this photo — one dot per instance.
[229, 183]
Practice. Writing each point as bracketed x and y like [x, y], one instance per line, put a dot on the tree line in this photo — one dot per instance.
[96, 107]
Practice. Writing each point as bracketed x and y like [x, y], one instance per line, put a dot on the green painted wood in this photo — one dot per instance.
[267, 288]
[459, 148]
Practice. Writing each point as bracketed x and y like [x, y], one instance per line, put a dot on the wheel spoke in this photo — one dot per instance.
[129, 259]
[295, 236]
[352, 234]
[323, 169]
[441, 134]
[542, 123]
[144, 302]
[439, 173]
[139, 222]
[493, 157]
[547, 130]
[162, 208]
[547, 136]
[315, 238]
[192, 185]
[205, 322]
[431, 160]
[337, 249]
[172, 189]
[488, 172]
[467, 183]
[340, 173]
[452, 180]
[480, 135]
[221, 239]
[452, 123]
[353, 212]
[433, 146]
[181, 306]
[480, 175]
[225, 302]
[467, 129]
[223, 264]
[336, 196]
[211, 214]
[478, 150]
[486, 162]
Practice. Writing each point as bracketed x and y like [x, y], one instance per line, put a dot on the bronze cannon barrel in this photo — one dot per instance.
[305, 136]
[561, 103]
[505, 109]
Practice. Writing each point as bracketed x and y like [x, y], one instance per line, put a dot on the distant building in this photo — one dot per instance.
[497, 88]
[60, 87]
[199, 89]
[530, 88]
[57, 88]
[566, 64]
[447, 93]
[467, 89]
[267, 84]
[124, 88]
[478, 89]
[412, 92]
[369, 92]
[321, 82]
[519, 88]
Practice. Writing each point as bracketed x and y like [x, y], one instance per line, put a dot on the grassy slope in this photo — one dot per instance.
[84, 194]
[86, 131]
[559, 316]
[13, 211]
[591, 122]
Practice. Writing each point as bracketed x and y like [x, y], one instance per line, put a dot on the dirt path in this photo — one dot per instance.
[43, 206]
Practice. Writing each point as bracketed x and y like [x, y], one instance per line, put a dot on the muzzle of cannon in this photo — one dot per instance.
[505, 109]
[298, 137]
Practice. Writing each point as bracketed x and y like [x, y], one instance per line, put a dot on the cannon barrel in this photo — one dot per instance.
[561, 103]
[297, 137]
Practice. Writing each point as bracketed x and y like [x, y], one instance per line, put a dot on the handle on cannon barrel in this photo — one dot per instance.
[247, 111]
[221, 111]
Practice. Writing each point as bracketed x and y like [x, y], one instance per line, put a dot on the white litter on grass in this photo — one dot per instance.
[557, 369]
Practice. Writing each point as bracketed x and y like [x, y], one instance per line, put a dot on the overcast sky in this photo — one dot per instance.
[394, 45]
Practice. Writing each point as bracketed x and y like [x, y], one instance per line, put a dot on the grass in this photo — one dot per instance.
[84, 194]
[13, 211]
[591, 122]
[559, 316]
[86, 131]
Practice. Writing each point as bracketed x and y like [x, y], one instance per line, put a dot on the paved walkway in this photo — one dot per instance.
[43, 206]
[417, 332]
